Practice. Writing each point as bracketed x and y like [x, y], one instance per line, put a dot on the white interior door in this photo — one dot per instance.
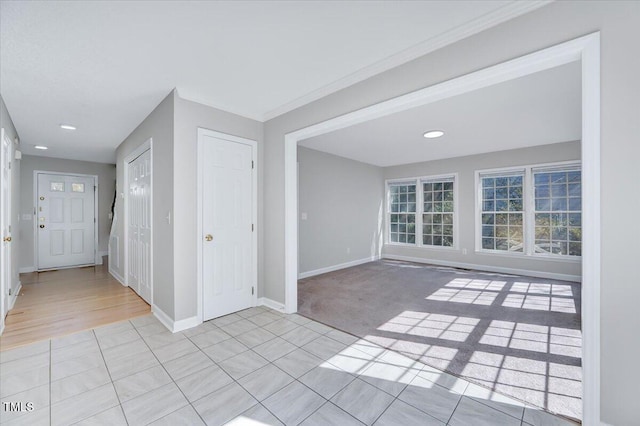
[65, 226]
[227, 206]
[139, 225]
[5, 226]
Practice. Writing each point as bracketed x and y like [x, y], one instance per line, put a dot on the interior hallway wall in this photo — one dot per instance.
[106, 189]
[188, 117]
[159, 126]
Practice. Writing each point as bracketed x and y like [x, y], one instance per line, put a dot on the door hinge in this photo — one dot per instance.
[252, 227]
[252, 165]
[252, 291]
[94, 220]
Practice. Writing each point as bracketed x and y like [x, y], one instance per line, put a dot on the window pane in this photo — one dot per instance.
[488, 243]
[560, 232]
[56, 186]
[77, 187]
[501, 230]
[438, 197]
[402, 226]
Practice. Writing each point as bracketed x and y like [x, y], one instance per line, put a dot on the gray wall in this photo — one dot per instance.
[466, 167]
[7, 124]
[619, 23]
[106, 187]
[188, 117]
[159, 126]
[343, 200]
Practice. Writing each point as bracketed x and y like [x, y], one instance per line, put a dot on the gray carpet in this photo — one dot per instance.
[517, 335]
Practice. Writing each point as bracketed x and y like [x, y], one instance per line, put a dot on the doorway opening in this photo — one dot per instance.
[585, 49]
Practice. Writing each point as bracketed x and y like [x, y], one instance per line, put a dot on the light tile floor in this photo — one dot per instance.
[255, 367]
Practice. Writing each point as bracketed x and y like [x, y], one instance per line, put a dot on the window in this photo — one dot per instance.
[402, 205]
[558, 211]
[56, 186]
[77, 187]
[437, 216]
[534, 210]
[502, 212]
[421, 211]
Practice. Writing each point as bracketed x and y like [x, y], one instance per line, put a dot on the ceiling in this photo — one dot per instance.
[104, 65]
[538, 109]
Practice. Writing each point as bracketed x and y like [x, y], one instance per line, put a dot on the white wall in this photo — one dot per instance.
[7, 124]
[106, 188]
[466, 167]
[159, 126]
[188, 117]
[619, 23]
[343, 200]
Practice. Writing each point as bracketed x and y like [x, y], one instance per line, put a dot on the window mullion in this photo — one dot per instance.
[419, 207]
[529, 219]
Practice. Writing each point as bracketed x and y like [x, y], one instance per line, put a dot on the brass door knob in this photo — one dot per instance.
[7, 239]
[208, 237]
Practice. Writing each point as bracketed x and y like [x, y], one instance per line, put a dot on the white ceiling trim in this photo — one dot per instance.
[505, 13]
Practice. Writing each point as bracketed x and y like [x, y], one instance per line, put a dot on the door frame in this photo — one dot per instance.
[254, 212]
[585, 49]
[5, 285]
[96, 240]
[145, 146]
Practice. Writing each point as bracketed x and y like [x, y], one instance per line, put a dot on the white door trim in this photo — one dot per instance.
[4, 285]
[144, 147]
[586, 49]
[254, 214]
[36, 260]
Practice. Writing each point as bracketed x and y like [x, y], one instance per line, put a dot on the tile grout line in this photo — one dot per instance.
[110, 378]
[171, 377]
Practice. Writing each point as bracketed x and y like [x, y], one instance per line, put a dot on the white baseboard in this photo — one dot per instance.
[14, 296]
[263, 301]
[117, 276]
[174, 326]
[487, 268]
[185, 324]
[337, 267]
[27, 269]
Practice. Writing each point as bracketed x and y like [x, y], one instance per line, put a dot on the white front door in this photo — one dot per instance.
[139, 225]
[5, 226]
[65, 227]
[227, 211]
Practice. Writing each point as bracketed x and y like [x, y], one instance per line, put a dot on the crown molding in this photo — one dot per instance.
[491, 19]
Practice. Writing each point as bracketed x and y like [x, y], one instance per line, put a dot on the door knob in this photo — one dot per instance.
[7, 239]
[41, 226]
[208, 237]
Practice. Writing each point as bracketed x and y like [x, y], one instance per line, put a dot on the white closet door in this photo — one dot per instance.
[139, 224]
[227, 253]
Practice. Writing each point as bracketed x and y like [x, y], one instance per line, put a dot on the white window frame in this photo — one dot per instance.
[419, 210]
[528, 205]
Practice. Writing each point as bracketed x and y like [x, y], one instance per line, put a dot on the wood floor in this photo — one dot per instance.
[57, 303]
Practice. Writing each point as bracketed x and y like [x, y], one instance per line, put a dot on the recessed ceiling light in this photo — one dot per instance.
[431, 134]
[41, 147]
[67, 127]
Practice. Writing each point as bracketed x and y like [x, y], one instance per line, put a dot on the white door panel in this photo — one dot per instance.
[65, 212]
[227, 203]
[139, 225]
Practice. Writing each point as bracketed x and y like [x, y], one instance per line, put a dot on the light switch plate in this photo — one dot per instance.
[26, 216]
[303, 216]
